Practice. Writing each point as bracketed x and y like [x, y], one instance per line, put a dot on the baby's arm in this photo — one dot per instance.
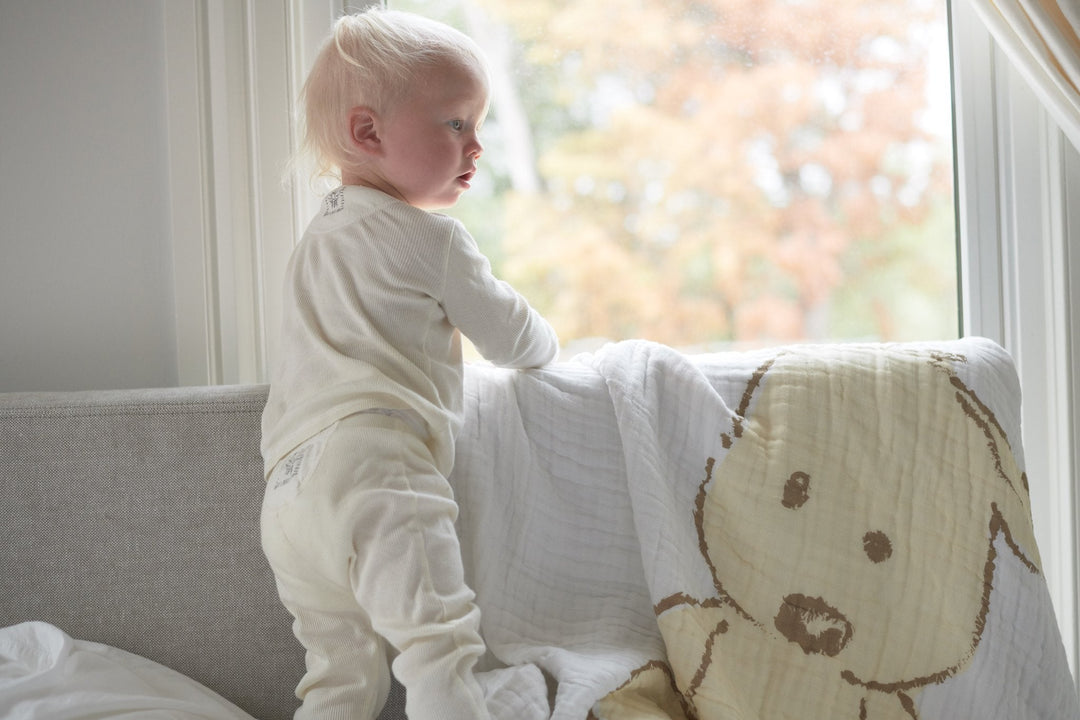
[502, 325]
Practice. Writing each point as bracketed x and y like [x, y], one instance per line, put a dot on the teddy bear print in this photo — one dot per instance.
[846, 581]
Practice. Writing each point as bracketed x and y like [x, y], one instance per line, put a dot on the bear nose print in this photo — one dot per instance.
[877, 546]
[814, 625]
[796, 490]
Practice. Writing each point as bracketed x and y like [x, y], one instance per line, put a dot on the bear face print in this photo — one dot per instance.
[849, 530]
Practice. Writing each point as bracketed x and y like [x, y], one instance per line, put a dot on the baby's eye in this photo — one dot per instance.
[456, 125]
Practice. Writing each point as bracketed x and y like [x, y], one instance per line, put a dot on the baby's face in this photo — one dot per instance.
[842, 554]
[430, 139]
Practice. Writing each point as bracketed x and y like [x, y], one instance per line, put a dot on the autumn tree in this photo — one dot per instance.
[707, 171]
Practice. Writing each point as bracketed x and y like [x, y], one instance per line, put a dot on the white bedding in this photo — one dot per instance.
[579, 486]
[47, 675]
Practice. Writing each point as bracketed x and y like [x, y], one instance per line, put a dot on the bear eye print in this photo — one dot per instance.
[796, 490]
[877, 546]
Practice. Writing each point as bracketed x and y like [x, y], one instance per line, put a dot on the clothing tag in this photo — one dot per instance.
[285, 480]
[334, 202]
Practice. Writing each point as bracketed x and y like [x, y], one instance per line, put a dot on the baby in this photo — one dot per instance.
[366, 399]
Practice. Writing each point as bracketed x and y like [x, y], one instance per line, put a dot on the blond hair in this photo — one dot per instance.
[372, 58]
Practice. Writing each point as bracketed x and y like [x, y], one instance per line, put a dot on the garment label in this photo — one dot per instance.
[334, 202]
[287, 477]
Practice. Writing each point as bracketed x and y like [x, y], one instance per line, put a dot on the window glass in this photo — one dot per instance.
[718, 173]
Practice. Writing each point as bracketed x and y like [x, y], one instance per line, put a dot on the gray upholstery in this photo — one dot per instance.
[131, 518]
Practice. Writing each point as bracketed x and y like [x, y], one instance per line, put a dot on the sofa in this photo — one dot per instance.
[131, 519]
[591, 496]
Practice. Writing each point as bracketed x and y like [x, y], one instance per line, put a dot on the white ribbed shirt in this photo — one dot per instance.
[374, 295]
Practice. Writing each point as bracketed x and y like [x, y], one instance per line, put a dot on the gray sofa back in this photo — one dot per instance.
[131, 518]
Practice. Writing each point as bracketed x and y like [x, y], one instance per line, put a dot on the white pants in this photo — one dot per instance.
[358, 526]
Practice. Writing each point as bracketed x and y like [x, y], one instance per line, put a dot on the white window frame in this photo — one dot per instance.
[1018, 207]
[233, 71]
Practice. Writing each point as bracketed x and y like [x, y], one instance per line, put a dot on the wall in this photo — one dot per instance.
[85, 276]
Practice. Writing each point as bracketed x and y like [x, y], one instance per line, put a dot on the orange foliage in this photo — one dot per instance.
[720, 161]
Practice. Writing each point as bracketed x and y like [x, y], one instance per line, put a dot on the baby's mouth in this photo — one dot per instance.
[816, 626]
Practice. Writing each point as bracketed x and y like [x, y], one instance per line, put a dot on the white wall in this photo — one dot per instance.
[85, 268]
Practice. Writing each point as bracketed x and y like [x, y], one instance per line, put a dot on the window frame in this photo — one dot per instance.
[234, 223]
[234, 219]
[1019, 264]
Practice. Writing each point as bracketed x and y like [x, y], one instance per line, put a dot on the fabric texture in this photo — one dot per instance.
[853, 514]
[837, 531]
[47, 675]
[358, 526]
[130, 518]
[375, 296]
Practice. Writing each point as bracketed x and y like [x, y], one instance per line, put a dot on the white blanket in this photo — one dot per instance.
[47, 675]
[596, 537]
[810, 532]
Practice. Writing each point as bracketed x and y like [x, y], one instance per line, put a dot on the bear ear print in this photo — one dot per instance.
[1000, 526]
[945, 361]
[997, 442]
[1011, 512]
[752, 386]
[984, 419]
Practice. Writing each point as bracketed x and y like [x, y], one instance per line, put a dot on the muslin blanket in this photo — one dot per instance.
[837, 531]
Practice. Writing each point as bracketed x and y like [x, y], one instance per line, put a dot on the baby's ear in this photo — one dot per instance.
[364, 130]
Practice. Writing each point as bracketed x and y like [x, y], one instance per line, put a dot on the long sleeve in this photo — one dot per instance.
[372, 301]
[496, 318]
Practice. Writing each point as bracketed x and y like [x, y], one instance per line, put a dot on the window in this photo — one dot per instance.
[718, 173]
[1018, 190]
[744, 172]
